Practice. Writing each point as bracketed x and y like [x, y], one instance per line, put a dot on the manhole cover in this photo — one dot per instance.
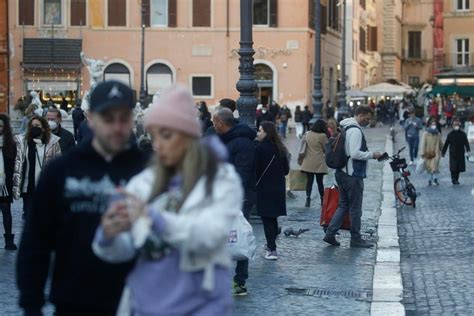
[320, 292]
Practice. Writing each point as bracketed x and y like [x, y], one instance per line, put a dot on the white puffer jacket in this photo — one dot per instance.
[199, 231]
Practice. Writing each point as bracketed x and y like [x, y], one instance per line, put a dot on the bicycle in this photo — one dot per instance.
[404, 190]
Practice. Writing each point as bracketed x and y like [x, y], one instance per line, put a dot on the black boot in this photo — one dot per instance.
[9, 244]
[308, 202]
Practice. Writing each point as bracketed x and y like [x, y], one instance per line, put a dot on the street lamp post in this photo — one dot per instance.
[247, 102]
[142, 61]
[317, 91]
[343, 109]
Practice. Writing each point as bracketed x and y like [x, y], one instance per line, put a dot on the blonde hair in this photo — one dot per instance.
[198, 161]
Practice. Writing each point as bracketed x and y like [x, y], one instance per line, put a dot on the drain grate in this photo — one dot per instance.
[322, 293]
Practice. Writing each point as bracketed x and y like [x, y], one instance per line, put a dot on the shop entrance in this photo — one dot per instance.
[264, 79]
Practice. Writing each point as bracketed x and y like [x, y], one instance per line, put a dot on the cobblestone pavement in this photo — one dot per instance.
[437, 245]
[309, 278]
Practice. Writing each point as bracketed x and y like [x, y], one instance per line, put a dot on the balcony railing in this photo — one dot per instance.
[420, 55]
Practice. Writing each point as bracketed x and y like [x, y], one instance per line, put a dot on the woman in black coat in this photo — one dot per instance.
[272, 165]
[458, 145]
[7, 163]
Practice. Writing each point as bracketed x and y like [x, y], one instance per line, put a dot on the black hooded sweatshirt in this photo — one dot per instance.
[72, 194]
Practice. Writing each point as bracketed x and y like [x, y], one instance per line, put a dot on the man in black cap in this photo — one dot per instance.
[71, 196]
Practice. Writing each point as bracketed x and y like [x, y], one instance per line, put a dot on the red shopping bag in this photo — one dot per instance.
[330, 203]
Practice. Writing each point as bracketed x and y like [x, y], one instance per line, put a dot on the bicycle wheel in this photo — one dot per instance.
[401, 192]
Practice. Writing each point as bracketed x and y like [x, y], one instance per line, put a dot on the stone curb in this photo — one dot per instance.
[387, 283]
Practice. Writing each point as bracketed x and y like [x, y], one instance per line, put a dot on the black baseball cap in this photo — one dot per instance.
[111, 94]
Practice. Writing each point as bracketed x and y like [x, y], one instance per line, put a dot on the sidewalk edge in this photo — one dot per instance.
[387, 283]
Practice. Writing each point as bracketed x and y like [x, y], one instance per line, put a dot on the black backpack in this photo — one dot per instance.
[335, 149]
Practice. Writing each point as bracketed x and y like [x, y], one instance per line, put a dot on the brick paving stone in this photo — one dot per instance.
[306, 262]
[437, 245]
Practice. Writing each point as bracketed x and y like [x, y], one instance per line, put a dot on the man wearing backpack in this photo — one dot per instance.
[350, 178]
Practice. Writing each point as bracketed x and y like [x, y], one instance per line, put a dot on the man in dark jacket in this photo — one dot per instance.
[239, 140]
[224, 104]
[77, 118]
[66, 141]
[72, 194]
[458, 146]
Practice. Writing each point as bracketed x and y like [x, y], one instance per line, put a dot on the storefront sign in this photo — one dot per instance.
[52, 85]
[264, 52]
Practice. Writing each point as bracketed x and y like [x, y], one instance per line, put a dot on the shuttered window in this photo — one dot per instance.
[117, 12]
[26, 12]
[78, 12]
[202, 86]
[172, 13]
[201, 13]
[372, 38]
[362, 40]
[324, 16]
[414, 44]
[273, 13]
[146, 14]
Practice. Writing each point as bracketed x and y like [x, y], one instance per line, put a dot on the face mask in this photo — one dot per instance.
[53, 125]
[36, 132]
[264, 111]
[433, 127]
[456, 128]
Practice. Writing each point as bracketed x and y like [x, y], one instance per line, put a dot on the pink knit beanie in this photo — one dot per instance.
[175, 110]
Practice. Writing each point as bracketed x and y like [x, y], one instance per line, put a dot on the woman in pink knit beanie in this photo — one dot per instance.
[177, 218]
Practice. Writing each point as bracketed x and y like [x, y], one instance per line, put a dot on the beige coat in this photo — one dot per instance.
[432, 144]
[315, 160]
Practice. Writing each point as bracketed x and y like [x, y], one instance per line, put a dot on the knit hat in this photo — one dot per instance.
[175, 110]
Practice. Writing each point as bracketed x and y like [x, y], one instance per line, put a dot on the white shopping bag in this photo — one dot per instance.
[420, 165]
[241, 243]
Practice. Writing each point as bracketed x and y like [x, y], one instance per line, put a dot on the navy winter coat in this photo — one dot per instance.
[271, 190]
[241, 146]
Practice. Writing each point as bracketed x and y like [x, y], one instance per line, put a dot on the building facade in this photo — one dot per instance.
[192, 42]
[417, 42]
[4, 56]
[456, 73]
[362, 58]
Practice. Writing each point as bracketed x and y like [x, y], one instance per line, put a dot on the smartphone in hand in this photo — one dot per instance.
[383, 157]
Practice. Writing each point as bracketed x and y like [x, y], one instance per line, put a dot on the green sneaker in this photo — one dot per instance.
[239, 290]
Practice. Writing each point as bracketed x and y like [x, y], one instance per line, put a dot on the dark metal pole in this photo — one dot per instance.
[247, 102]
[343, 109]
[317, 91]
[142, 66]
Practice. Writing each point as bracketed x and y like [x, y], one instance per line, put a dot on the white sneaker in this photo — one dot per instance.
[411, 163]
[271, 255]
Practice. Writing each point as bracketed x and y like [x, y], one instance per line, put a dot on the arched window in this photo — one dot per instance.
[158, 77]
[119, 72]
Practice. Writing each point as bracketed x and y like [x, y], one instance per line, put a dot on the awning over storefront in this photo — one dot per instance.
[51, 53]
[466, 91]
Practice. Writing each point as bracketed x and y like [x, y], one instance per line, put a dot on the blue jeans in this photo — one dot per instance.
[282, 128]
[351, 190]
[242, 267]
[413, 143]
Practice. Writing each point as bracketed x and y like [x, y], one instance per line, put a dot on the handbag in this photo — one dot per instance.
[296, 181]
[241, 243]
[265, 171]
[302, 151]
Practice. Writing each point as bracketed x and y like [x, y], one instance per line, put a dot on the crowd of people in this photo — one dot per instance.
[138, 231]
